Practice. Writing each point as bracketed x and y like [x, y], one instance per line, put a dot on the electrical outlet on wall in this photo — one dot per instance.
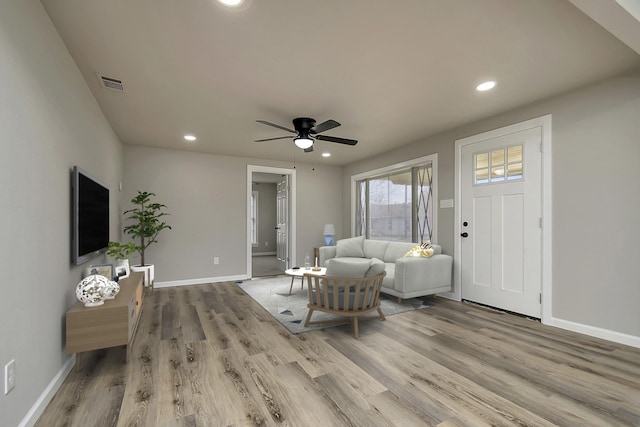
[216, 260]
[9, 376]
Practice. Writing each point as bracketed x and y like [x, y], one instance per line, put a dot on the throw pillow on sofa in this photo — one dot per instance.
[351, 248]
[424, 250]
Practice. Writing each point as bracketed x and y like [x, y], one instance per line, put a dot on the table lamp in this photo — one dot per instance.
[329, 232]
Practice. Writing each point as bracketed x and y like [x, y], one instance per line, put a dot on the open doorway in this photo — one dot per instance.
[270, 220]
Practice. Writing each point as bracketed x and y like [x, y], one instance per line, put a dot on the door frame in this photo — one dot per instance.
[291, 236]
[544, 123]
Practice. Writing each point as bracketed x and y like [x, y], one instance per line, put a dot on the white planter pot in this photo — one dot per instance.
[148, 271]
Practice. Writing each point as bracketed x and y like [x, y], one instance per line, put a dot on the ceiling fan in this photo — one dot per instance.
[307, 131]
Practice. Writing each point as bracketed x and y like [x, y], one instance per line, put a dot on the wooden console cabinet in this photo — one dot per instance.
[109, 325]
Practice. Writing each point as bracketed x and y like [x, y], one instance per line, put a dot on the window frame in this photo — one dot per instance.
[398, 167]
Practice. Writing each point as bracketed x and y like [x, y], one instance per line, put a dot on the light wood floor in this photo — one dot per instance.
[208, 355]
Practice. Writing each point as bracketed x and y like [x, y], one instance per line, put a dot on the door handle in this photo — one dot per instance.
[465, 234]
[276, 228]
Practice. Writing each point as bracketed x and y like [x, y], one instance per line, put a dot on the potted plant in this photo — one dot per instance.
[146, 224]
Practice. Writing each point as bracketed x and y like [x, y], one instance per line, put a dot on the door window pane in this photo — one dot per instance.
[505, 164]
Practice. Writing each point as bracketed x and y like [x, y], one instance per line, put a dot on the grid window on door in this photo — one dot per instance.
[504, 164]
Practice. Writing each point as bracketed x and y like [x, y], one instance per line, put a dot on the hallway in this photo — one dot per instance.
[262, 266]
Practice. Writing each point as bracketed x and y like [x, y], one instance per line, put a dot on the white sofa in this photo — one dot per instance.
[407, 277]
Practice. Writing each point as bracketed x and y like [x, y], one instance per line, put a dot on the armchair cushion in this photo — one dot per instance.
[376, 267]
[348, 267]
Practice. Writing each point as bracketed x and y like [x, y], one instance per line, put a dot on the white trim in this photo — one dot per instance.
[292, 206]
[544, 123]
[201, 281]
[45, 397]
[263, 254]
[433, 158]
[594, 331]
[254, 214]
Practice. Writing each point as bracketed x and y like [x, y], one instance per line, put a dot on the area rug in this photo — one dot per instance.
[273, 294]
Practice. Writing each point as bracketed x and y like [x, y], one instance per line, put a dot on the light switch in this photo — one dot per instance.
[446, 203]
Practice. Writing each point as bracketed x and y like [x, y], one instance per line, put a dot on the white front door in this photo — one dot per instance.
[282, 219]
[500, 226]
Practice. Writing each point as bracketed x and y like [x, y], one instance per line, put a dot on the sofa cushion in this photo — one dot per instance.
[350, 247]
[348, 267]
[396, 250]
[375, 248]
[376, 267]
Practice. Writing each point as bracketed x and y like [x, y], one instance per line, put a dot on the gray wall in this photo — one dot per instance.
[596, 198]
[206, 196]
[49, 122]
[267, 218]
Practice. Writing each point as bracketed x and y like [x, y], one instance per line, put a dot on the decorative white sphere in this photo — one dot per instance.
[91, 290]
[111, 290]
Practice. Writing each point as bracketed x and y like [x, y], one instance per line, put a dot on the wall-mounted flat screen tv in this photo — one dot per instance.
[90, 217]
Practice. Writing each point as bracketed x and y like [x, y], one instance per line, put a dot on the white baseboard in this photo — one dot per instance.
[45, 397]
[594, 331]
[200, 281]
[263, 254]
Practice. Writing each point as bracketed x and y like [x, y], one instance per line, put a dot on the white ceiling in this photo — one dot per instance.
[392, 72]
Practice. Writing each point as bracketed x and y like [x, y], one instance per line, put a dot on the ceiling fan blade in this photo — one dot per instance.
[324, 126]
[308, 150]
[336, 139]
[272, 139]
[276, 126]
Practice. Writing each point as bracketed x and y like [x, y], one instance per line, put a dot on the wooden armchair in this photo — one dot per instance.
[350, 297]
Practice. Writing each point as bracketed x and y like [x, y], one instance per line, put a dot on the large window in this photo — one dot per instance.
[396, 203]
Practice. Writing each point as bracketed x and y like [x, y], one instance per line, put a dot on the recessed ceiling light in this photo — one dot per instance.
[326, 154]
[190, 137]
[231, 3]
[486, 86]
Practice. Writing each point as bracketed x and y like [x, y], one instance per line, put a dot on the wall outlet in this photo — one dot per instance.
[9, 376]
[216, 260]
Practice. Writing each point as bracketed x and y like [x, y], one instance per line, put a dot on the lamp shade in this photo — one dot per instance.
[329, 230]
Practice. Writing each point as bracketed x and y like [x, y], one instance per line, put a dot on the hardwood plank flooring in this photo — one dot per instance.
[208, 355]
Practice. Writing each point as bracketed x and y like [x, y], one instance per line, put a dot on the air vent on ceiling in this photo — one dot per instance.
[111, 83]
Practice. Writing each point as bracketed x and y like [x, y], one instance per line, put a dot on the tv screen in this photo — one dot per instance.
[90, 222]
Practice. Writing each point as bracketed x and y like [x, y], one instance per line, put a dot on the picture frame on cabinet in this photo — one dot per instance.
[105, 270]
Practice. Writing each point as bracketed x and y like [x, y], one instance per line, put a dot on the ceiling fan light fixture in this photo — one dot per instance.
[303, 142]
[190, 137]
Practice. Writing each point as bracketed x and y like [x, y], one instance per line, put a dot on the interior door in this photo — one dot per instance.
[282, 226]
[501, 222]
